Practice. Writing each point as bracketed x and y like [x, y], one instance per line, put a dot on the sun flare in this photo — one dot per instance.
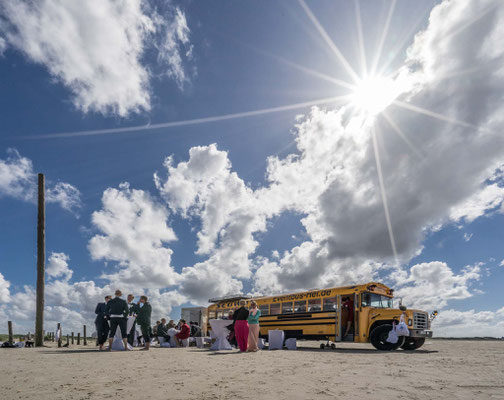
[372, 95]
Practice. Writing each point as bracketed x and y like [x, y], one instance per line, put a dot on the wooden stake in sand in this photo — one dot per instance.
[72, 338]
[59, 335]
[78, 338]
[68, 340]
[85, 336]
[39, 318]
[11, 338]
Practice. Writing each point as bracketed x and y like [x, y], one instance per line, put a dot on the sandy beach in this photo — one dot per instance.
[440, 370]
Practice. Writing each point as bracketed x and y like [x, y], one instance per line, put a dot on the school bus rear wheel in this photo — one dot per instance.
[379, 338]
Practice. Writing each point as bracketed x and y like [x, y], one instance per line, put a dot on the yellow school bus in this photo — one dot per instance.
[323, 314]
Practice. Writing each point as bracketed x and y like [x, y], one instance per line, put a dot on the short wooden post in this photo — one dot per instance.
[85, 336]
[59, 335]
[72, 338]
[68, 340]
[11, 338]
[78, 338]
[52, 335]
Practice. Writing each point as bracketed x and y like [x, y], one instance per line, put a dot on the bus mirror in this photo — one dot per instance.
[402, 308]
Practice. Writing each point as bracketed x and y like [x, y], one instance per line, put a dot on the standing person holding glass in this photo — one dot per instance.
[241, 326]
[253, 321]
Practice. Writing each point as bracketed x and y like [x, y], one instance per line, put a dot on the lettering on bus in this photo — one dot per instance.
[302, 296]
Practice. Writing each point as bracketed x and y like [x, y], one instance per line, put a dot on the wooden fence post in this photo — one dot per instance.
[78, 338]
[59, 335]
[52, 335]
[11, 338]
[85, 336]
[68, 340]
[72, 338]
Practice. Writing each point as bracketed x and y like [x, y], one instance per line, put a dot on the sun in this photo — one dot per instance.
[372, 95]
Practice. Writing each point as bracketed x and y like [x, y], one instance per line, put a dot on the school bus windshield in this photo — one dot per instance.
[376, 300]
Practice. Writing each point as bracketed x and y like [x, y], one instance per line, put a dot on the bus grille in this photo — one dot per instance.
[420, 320]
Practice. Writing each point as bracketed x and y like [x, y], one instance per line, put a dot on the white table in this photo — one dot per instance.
[275, 339]
[220, 332]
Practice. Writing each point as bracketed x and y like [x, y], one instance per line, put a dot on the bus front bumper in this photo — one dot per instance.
[419, 333]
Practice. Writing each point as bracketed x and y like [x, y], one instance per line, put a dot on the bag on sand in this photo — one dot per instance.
[392, 335]
[402, 328]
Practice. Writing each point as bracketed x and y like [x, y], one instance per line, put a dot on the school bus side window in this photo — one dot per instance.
[287, 308]
[299, 306]
[211, 315]
[329, 304]
[264, 309]
[314, 305]
[275, 308]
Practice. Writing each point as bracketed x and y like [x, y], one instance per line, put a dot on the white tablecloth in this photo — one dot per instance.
[220, 332]
[275, 339]
[172, 332]
[118, 344]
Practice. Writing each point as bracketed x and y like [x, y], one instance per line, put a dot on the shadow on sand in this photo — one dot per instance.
[331, 351]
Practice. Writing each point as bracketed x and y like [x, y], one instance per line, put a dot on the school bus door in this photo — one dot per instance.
[337, 322]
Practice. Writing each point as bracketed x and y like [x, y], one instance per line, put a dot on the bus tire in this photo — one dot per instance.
[413, 343]
[379, 338]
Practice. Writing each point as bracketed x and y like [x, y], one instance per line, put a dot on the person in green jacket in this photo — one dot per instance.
[253, 321]
[144, 319]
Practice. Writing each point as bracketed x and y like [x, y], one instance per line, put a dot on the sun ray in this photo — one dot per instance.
[187, 122]
[310, 71]
[384, 194]
[401, 134]
[383, 37]
[432, 114]
[407, 37]
[328, 40]
[360, 36]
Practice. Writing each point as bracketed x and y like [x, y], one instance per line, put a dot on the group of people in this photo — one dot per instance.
[244, 331]
[162, 329]
[114, 313]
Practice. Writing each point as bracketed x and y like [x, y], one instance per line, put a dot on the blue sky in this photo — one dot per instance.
[218, 58]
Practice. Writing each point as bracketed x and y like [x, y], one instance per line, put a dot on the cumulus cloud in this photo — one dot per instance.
[4, 289]
[471, 323]
[431, 285]
[96, 48]
[57, 267]
[133, 232]
[18, 180]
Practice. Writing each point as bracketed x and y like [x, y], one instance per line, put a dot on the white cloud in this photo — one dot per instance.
[490, 197]
[3, 45]
[502, 263]
[57, 267]
[471, 323]
[431, 285]
[4, 289]
[133, 232]
[96, 48]
[18, 180]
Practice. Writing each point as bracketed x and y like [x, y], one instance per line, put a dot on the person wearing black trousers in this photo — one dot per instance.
[101, 322]
[118, 311]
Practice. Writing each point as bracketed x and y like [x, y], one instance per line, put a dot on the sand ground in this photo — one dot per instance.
[440, 370]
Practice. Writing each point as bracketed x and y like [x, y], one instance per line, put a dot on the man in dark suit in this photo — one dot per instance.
[117, 310]
[101, 323]
[133, 311]
[144, 320]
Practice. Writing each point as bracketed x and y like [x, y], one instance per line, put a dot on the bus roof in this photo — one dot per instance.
[370, 286]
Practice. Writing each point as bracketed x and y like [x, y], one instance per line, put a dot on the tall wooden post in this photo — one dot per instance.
[85, 336]
[78, 338]
[59, 335]
[39, 318]
[68, 340]
[72, 338]
[11, 338]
